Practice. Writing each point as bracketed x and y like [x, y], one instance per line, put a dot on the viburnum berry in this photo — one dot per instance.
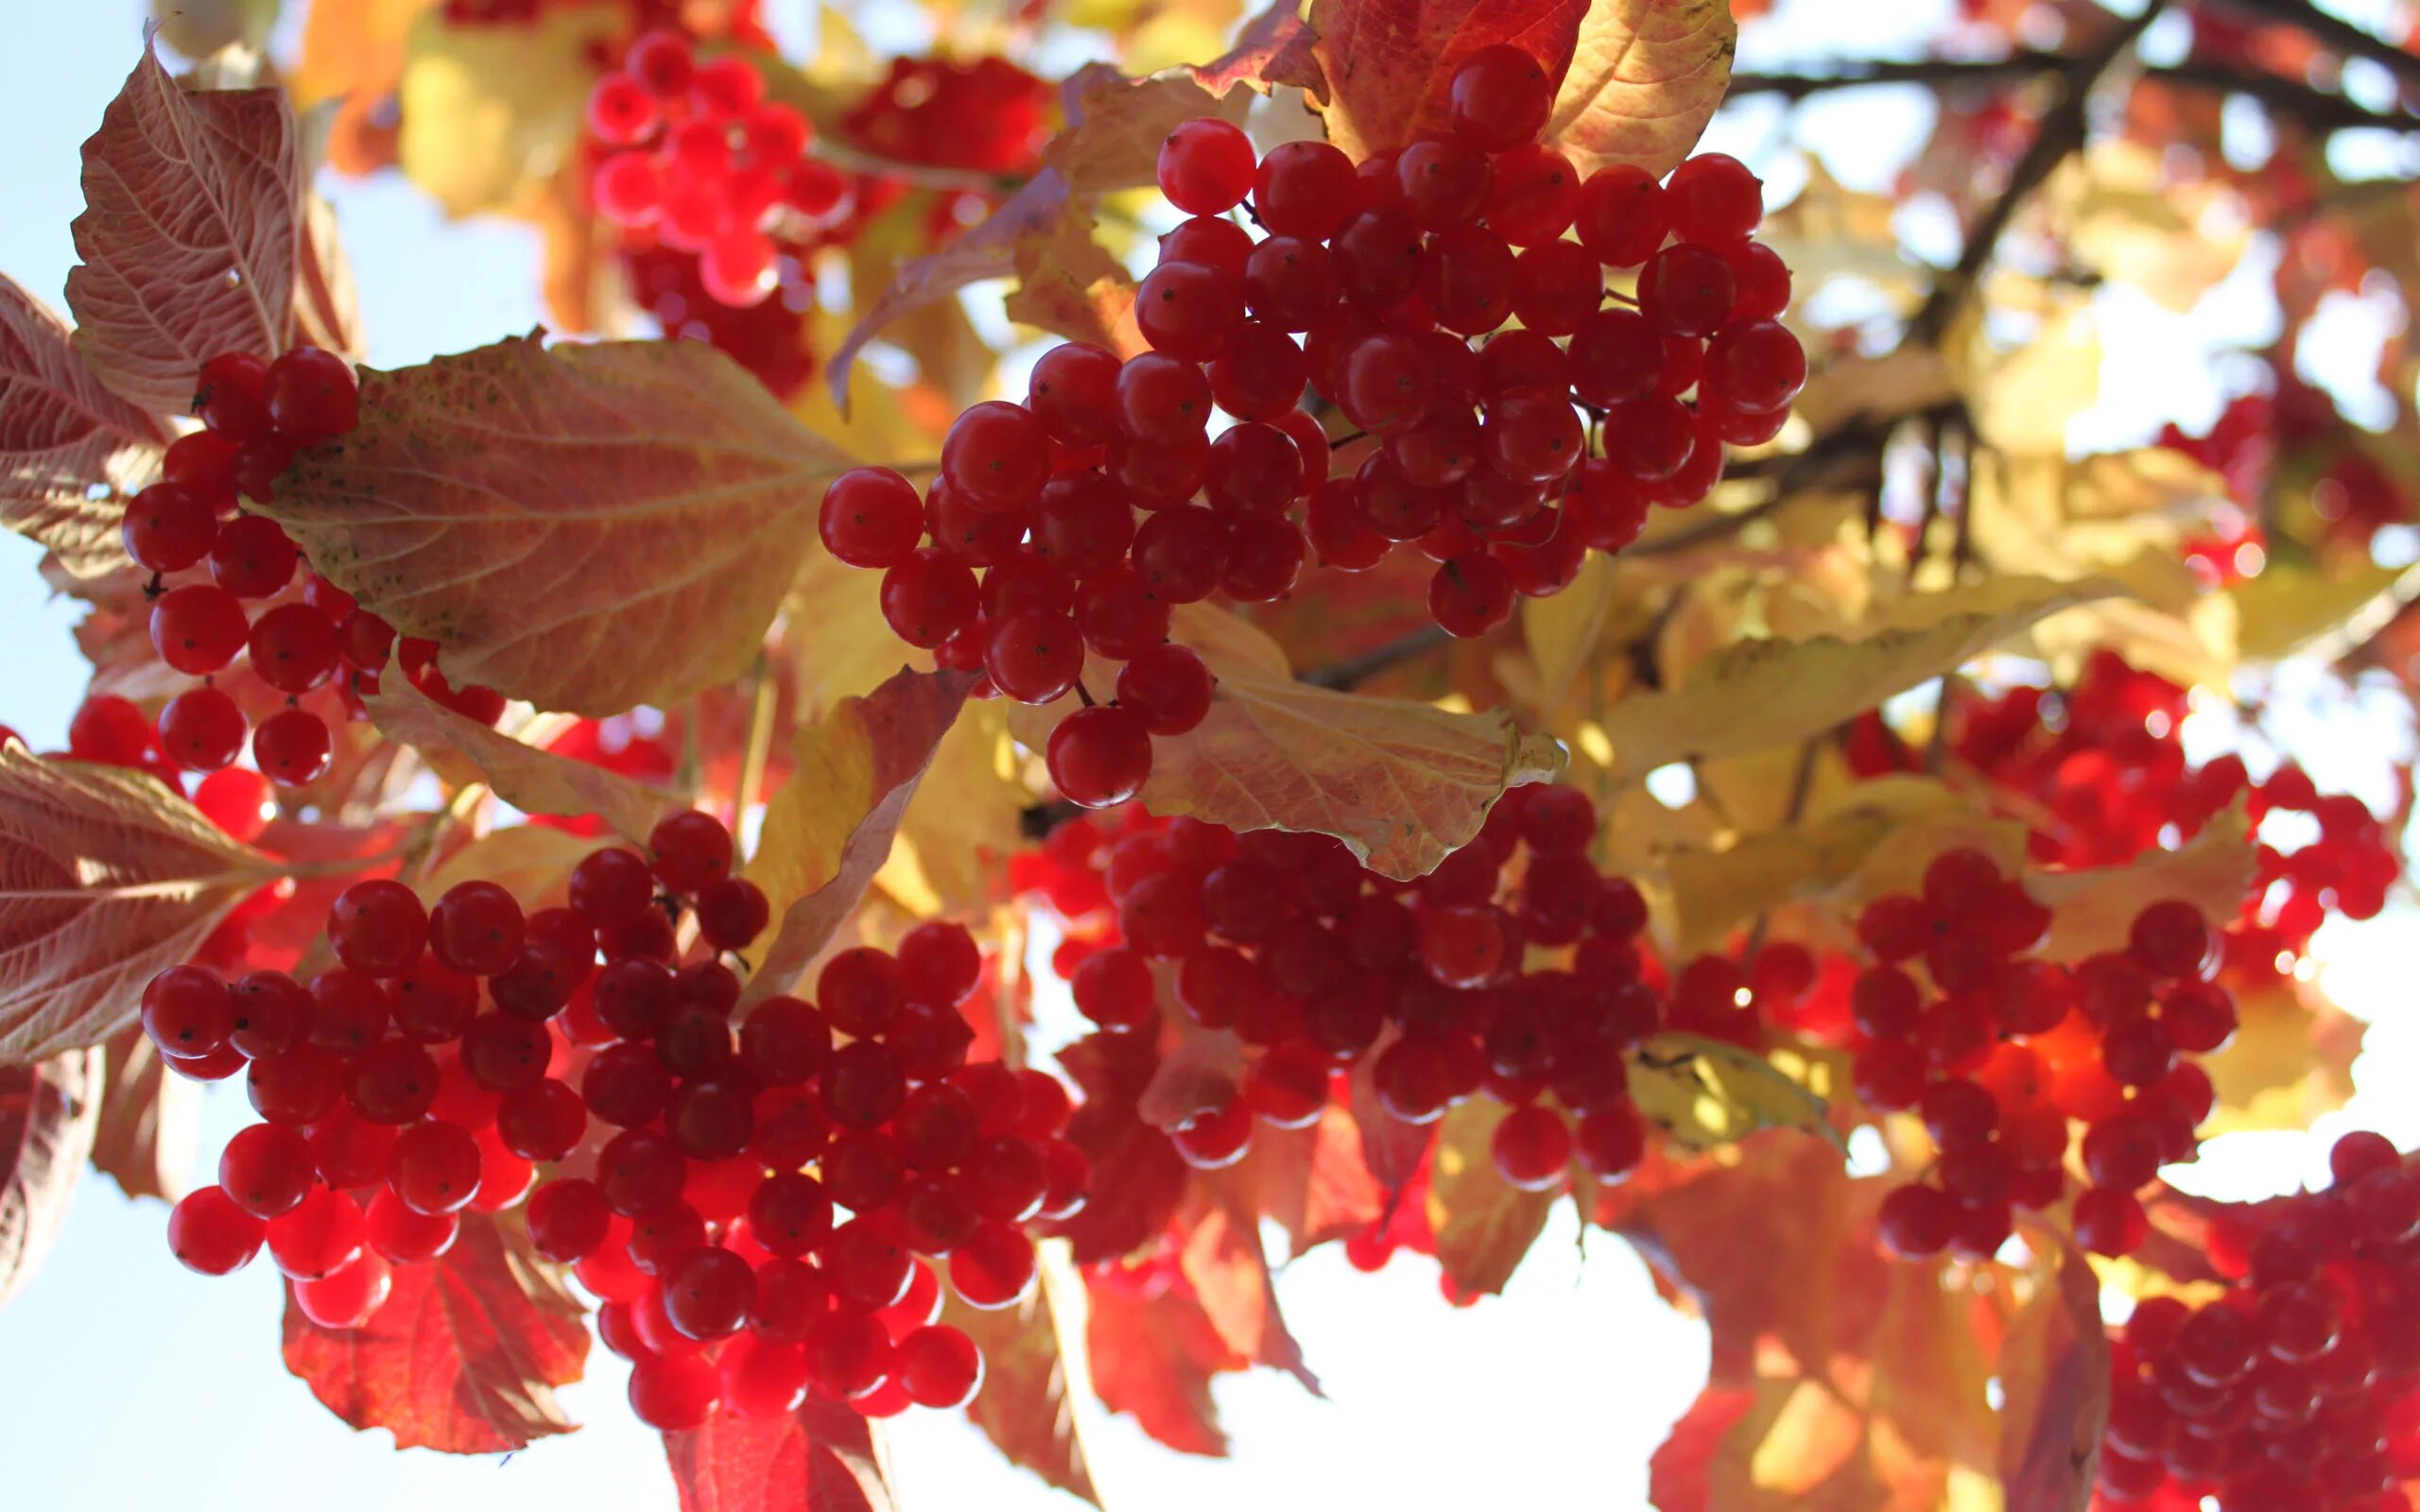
[689, 851]
[1500, 97]
[1206, 166]
[1099, 756]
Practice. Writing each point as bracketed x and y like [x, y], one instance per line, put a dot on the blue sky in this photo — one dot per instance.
[128, 1381]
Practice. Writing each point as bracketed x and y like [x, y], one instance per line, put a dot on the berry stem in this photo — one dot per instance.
[759, 750]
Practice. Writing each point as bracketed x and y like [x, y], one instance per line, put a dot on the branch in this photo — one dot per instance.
[2337, 33]
[1409, 646]
[1941, 72]
[2062, 132]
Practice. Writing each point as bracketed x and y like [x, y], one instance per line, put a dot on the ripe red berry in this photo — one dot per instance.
[1206, 166]
[209, 1233]
[1099, 756]
[1714, 200]
[871, 517]
[1500, 97]
[319, 1236]
[312, 395]
[689, 851]
[291, 747]
[1304, 189]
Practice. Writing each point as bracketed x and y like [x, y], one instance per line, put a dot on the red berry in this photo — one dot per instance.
[312, 395]
[1099, 756]
[1500, 97]
[1206, 166]
[871, 517]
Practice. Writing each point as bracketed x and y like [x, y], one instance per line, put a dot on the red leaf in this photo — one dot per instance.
[63, 437]
[2054, 1368]
[106, 879]
[150, 1123]
[858, 769]
[1022, 1408]
[48, 1113]
[1680, 1472]
[463, 1358]
[1314, 1181]
[1154, 1352]
[1223, 1258]
[1265, 51]
[1380, 69]
[825, 1458]
[190, 237]
[1391, 1148]
[1138, 1177]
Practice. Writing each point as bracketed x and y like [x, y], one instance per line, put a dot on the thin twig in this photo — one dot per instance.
[1409, 646]
[2336, 33]
[922, 175]
[1961, 552]
[2061, 131]
[758, 753]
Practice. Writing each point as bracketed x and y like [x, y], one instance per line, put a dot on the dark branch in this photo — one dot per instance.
[1409, 646]
[2062, 132]
[2336, 33]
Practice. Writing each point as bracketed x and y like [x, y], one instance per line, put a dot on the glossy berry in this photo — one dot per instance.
[1206, 166]
[1099, 756]
[210, 1233]
[1500, 97]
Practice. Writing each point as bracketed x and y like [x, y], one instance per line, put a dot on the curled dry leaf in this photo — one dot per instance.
[1751, 695]
[1039, 236]
[823, 1457]
[1402, 784]
[149, 1135]
[1645, 78]
[2054, 1371]
[463, 1358]
[1484, 1223]
[536, 781]
[1023, 1407]
[1378, 69]
[69, 448]
[191, 237]
[588, 527]
[829, 829]
[1116, 125]
[1273, 34]
[106, 880]
[49, 1110]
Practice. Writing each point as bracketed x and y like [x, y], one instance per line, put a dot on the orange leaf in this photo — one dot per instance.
[2055, 1370]
[106, 880]
[1116, 125]
[1223, 1258]
[1153, 1351]
[1484, 1223]
[533, 781]
[588, 527]
[1314, 1181]
[1040, 235]
[150, 1126]
[1380, 69]
[829, 829]
[63, 437]
[825, 1458]
[463, 1358]
[191, 234]
[48, 1113]
[1022, 1408]
[1645, 78]
[1270, 46]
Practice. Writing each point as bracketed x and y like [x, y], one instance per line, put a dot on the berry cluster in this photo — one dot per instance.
[454, 1048]
[2299, 1387]
[1368, 286]
[1316, 963]
[695, 151]
[255, 415]
[2005, 1051]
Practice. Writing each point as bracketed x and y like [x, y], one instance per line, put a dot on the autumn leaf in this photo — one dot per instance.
[1402, 784]
[825, 1457]
[463, 750]
[533, 862]
[588, 527]
[2054, 1375]
[464, 1356]
[1702, 1093]
[69, 448]
[2290, 1060]
[1275, 33]
[1154, 1353]
[1383, 68]
[2297, 610]
[829, 829]
[2091, 911]
[1484, 1223]
[1314, 1182]
[1562, 631]
[1137, 1177]
[1023, 1407]
[491, 112]
[1220, 1255]
[1392, 1150]
[1116, 125]
[48, 1110]
[106, 880]
[1753, 694]
[149, 1134]
[1040, 235]
[1645, 78]
[191, 234]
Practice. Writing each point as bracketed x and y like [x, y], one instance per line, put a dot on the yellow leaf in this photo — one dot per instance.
[1645, 78]
[2091, 911]
[489, 111]
[2023, 399]
[588, 527]
[2290, 1060]
[1402, 784]
[1705, 1091]
[2291, 611]
[965, 820]
[829, 829]
[534, 780]
[1562, 631]
[1484, 1223]
[533, 862]
[1753, 694]
[1116, 125]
